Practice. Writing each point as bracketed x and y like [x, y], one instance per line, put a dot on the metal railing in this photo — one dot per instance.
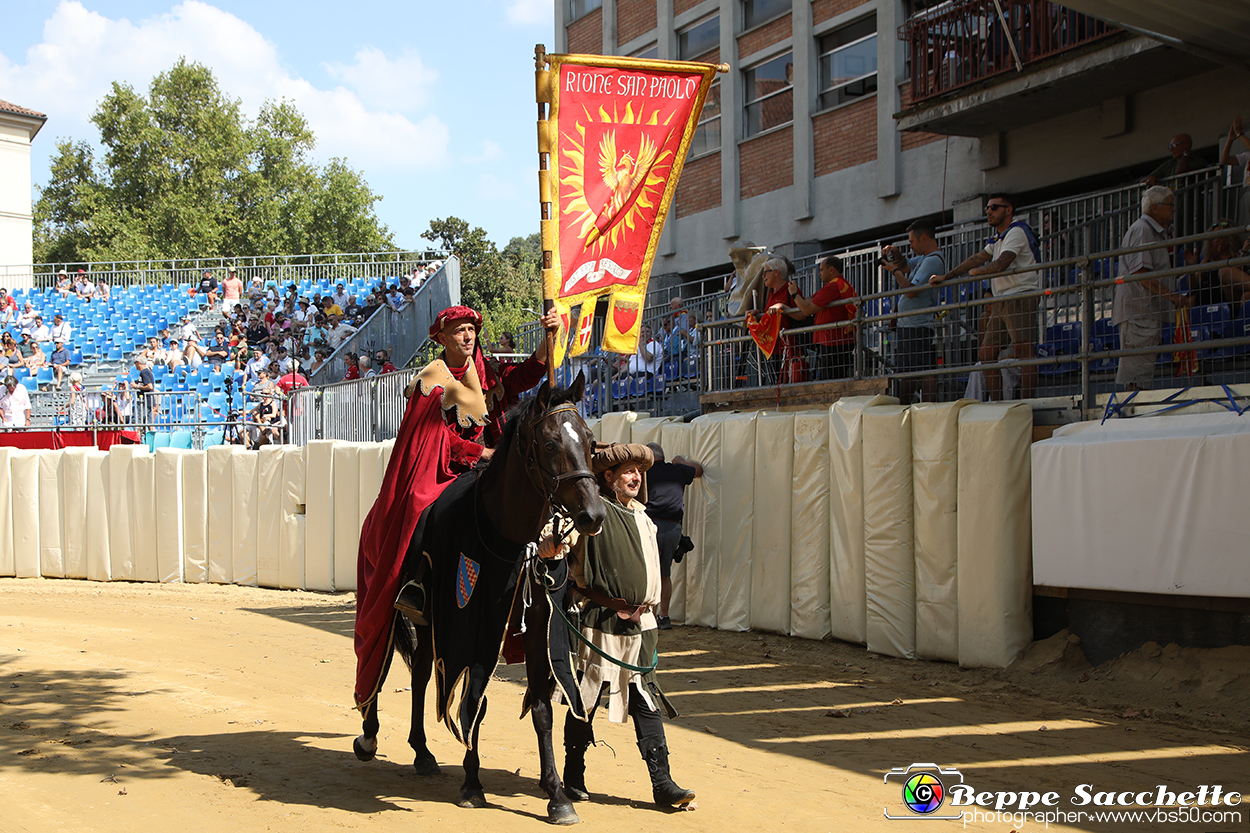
[284, 269]
[361, 410]
[400, 332]
[955, 44]
[1079, 362]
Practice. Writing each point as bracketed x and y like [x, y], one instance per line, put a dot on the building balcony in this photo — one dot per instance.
[982, 66]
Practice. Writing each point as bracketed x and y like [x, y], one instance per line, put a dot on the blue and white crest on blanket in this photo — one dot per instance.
[466, 579]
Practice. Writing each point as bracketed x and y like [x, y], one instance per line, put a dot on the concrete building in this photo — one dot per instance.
[841, 121]
[18, 127]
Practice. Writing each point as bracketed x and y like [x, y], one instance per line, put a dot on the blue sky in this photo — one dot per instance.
[432, 102]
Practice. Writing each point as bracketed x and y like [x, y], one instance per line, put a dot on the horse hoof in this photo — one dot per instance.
[426, 766]
[561, 813]
[365, 748]
[472, 799]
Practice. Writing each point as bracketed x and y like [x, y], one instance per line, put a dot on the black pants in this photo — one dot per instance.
[647, 721]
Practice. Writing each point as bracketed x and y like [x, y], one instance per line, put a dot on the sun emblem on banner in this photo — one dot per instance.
[627, 177]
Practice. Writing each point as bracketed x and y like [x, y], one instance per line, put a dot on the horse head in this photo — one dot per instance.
[557, 446]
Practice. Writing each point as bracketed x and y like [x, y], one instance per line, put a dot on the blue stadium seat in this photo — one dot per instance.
[30, 384]
[212, 438]
[181, 439]
[21, 373]
[217, 401]
[1104, 337]
[1061, 340]
[114, 354]
[158, 439]
[45, 376]
[1211, 322]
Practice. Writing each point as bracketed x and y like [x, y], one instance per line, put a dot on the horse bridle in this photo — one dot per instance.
[543, 479]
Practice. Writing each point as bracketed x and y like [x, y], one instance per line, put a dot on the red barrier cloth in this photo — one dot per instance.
[53, 440]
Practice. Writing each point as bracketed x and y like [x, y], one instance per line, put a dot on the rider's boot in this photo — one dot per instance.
[578, 736]
[663, 790]
[412, 597]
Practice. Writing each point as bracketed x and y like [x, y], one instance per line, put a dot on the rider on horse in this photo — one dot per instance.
[616, 583]
[454, 417]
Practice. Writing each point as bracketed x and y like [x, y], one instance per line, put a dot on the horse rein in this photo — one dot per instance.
[537, 471]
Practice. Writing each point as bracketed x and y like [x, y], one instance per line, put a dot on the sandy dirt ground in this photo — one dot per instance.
[129, 707]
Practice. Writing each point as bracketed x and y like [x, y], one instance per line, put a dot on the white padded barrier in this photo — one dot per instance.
[737, 494]
[769, 601]
[51, 555]
[291, 535]
[677, 440]
[593, 425]
[648, 430]
[370, 464]
[319, 518]
[347, 520]
[7, 568]
[73, 489]
[220, 479]
[143, 517]
[121, 553]
[617, 426]
[24, 483]
[847, 603]
[97, 518]
[935, 457]
[995, 534]
[195, 517]
[244, 466]
[269, 482]
[703, 524]
[889, 558]
[809, 527]
[168, 482]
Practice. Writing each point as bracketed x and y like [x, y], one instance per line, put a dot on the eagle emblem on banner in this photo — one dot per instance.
[466, 579]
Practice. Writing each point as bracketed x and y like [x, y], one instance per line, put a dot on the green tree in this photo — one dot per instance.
[185, 174]
[501, 285]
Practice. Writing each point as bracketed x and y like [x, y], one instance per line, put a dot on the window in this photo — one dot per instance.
[707, 134]
[580, 8]
[848, 63]
[769, 94]
[652, 51]
[699, 39]
[755, 12]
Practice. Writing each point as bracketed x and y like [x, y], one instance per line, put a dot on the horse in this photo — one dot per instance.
[542, 462]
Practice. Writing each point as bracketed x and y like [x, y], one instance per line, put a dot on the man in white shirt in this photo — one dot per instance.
[61, 331]
[256, 364]
[26, 321]
[41, 332]
[340, 296]
[339, 331]
[1011, 320]
[14, 404]
[83, 287]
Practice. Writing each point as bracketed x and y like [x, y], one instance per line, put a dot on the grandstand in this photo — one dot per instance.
[191, 405]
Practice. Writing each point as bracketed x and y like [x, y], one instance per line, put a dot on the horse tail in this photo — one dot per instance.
[405, 640]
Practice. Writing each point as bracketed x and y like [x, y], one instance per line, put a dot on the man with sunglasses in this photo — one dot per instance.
[1011, 319]
[1180, 162]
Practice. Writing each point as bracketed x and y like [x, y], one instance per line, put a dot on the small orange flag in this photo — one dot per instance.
[1186, 360]
[765, 331]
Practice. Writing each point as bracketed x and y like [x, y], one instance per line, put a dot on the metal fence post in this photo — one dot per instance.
[318, 431]
[1087, 327]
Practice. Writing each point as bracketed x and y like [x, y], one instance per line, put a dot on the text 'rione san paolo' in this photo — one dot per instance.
[634, 84]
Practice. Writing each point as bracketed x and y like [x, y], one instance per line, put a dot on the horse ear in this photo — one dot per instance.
[544, 395]
[578, 389]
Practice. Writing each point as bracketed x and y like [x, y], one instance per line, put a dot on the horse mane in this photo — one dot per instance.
[524, 410]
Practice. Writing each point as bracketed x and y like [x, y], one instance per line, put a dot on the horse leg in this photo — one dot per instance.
[471, 793]
[538, 697]
[422, 664]
[366, 746]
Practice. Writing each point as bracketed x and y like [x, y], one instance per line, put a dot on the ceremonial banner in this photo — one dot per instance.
[612, 150]
[765, 330]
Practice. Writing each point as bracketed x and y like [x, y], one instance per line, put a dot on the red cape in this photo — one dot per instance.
[429, 454]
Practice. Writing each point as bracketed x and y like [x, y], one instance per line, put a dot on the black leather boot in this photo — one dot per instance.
[578, 736]
[663, 790]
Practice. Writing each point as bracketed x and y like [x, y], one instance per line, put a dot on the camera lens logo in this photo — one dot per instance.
[923, 793]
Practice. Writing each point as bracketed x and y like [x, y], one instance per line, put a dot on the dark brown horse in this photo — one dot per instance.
[483, 576]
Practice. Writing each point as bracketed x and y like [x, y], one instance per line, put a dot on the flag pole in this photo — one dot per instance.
[542, 92]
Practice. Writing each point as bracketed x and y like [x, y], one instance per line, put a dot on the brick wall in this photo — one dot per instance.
[680, 6]
[586, 34]
[766, 163]
[845, 137]
[767, 34]
[912, 139]
[634, 18]
[824, 9]
[712, 57]
[699, 186]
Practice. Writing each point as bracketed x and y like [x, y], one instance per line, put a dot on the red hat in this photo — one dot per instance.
[455, 313]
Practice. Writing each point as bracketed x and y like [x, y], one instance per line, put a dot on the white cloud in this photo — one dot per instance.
[490, 152]
[402, 84]
[82, 52]
[530, 12]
